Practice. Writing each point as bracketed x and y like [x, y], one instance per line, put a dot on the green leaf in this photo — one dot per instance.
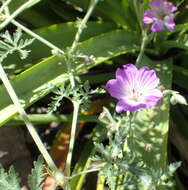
[32, 85]
[109, 10]
[9, 44]
[17, 3]
[164, 46]
[37, 175]
[35, 83]
[180, 76]
[108, 45]
[61, 35]
[85, 158]
[9, 180]
[153, 123]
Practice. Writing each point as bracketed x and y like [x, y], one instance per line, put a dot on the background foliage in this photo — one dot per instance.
[111, 38]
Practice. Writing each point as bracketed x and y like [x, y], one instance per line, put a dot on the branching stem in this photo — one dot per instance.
[76, 104]
[4, 5]
[83, 23]
[16, 13]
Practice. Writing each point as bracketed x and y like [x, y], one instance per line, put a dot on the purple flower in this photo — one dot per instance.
[160, 16]
[134, 88]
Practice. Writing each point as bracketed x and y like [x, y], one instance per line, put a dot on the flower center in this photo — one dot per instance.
[135, 95]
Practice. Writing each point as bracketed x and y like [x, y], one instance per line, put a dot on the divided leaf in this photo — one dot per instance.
[37, 175]
[9, 180]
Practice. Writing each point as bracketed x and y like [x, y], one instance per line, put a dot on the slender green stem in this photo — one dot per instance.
[45, 119]
[26, 120]
[72, 137]
[76, 105]
[85, 172]
[36, 36]
[83, 23]
[17, 12]
[58, 176]
[31, 33]
[142, 49]
[4, 5]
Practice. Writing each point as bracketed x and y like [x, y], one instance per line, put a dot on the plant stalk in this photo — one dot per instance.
[142, 48]
[26, 120]
[76, 105]
[16, 13]
[82, 25]
[36, 36]
[45, 119]
[72, 138]
[85, 172]
[4, 5]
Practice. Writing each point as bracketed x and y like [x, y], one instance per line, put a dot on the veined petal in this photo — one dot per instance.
[170, 7]
[147, 78]
[148, 17]
[169, 22]
[158, 25]
[153, 97]
[125, 105]
[115, 88]
[130, 72]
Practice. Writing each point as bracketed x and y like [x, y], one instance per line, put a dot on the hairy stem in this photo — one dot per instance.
[83, 23]
[76, 104]
[26, 120]
[17, 12]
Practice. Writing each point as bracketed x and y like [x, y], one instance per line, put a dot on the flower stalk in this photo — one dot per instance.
[76, 104]
[72, 138]
[82, 25]
[142, 48]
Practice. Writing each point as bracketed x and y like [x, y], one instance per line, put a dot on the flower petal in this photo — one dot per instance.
[147, 78]
[170, 7]
[153, 97]
[126, 105]
[130, 72]
[115, 88]
[148, 17]
[157, 4]
[158, 25]
[169, 22]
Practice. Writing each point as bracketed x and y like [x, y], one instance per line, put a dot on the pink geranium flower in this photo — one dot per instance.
[160, 16]
[134, 88]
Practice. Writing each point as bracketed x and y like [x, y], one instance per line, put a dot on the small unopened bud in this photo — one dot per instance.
[177, 98]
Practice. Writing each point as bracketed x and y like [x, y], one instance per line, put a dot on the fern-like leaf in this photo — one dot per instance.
[10, 44]
[9, 180]
[37, 175]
